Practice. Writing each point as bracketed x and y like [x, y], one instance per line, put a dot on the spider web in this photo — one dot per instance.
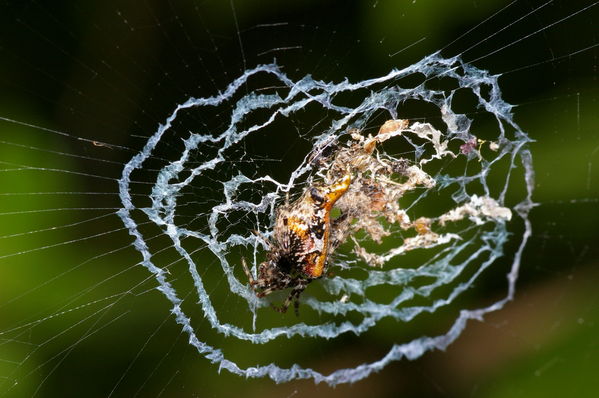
[150, 218]
[442, 268]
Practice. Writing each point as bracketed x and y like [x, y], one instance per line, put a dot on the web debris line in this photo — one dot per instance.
[484, 246]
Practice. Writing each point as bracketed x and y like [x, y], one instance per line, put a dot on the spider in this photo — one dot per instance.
[300, 246]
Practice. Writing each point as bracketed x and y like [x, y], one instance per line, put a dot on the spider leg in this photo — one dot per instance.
[268, 290]
[296, 306]
[293, 297]
[255, 283]
[247, 271]
[297, 292]
[263, 238]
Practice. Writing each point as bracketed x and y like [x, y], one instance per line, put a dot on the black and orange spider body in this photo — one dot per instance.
[300, 244]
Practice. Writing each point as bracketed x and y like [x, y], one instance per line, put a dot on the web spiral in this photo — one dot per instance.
[214, 185]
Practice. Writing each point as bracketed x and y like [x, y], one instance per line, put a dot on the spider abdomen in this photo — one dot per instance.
[302, 229]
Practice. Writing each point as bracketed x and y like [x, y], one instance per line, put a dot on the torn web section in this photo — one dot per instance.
[416, 228]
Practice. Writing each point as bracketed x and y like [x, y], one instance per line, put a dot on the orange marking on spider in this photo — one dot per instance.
[300, 244]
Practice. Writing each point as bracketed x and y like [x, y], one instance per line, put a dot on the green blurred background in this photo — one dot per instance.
[81, 319]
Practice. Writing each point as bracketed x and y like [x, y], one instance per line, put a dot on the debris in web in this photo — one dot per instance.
[445, 186]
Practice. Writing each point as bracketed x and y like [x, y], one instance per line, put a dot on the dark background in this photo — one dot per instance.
[92, 79]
